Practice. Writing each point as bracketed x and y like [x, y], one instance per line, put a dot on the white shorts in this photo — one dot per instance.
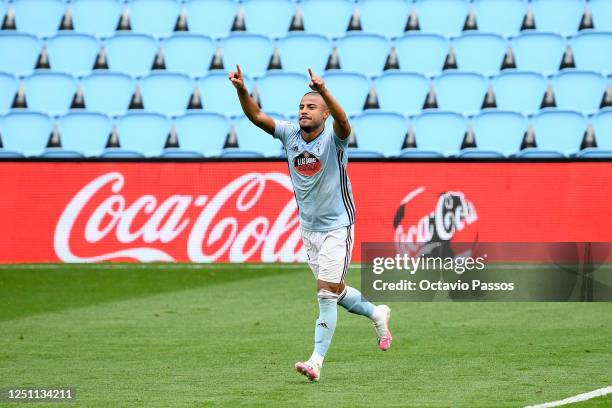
[329, 252]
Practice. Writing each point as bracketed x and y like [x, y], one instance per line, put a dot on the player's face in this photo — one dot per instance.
[313, 112]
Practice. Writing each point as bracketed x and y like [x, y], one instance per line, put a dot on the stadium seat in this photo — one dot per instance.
[10, 154]
[380, 131]
[602, 14]
[166, 93]
[536, 153]
[213, 18]
[559, 130]
[73, 53]
[602, 125]
[108, 92]
[153, 17]
[357, 153]
[384, 17]
[119, 153]
[84, 132]
[188, 54]
[349, 89]
[96, 17]
[300, 51]
[8, 88]
[414, 153]
[579, 90]
[18, 53]
[422, 53]
[477, 153]
[175, 153]
[50, 92]
[401, 92]
[594, 153]
[201, 132]
[218, 94]
[593, 51]
[251, 138]
[558, 16]
[363, 53]
[234, 153]
[26, 132]
[502, 17]
[481, 53]
[143, 132]
[268, 17]
[439, 131]
[539, 52]
[282, 91]
[445, 17]
[39, 17]
[60, 153]
[461, 92]
[251, 51]
[326, 17]
[132, 54]
[499, 130]
[519, 91]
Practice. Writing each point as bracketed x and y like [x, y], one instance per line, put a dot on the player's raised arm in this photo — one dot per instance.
[342, 127]
[249, 106]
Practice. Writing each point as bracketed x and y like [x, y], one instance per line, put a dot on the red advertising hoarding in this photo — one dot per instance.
[246, 211]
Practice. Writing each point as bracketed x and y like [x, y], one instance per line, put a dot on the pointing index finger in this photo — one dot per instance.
[310, 72]
[238, 68]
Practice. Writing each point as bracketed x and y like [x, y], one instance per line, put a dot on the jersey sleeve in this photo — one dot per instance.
[282, 129]
[340, 143]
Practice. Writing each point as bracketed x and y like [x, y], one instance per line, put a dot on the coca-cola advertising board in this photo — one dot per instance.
[246, 211]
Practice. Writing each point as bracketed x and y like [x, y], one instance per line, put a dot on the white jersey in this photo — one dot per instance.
[318, 172]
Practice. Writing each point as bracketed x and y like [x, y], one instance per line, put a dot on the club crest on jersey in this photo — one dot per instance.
[307, 164]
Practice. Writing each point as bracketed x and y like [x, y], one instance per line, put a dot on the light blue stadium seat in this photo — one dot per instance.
[50, 92]
[401, 92]
[143, 132]
[579, 90]
[234, 153]
[166, 93]
[251, 51]
[153, 17]
[211, 17]
[558, 16]
[268, 17]
[380, 131]
[415, 153]
[502, 17]
[363, 53]
[60, 153]
[107, 92]
[422, 53]
[300, 51]
[202, 132]
[358, 153]
[519, 91]
[131, 54]
[180, 49]
[385, 17]
[175, 153]
[39, 17]
[559, 130]
[8, 88]
[445, 17]
[539, 52]
[481, 53]
[251, 138]
[218, 94]
[18, 52]
[84, 132]
[537, 153]
[602, 14]
[327, 17]
[3, 9]
[439, 131]
[282, 91]
[602, 125]
[593, 50]
[119, 153]
[594, 153]
[10, 154]
[499, 130]
[26, 132]
[477, 153]
[350, 90]
[73, 53]
[96, 17]
[460, 91]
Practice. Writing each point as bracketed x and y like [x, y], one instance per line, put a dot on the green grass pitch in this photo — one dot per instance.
[229, 335]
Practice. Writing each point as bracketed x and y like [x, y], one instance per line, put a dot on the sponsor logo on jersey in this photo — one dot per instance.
[307, 164]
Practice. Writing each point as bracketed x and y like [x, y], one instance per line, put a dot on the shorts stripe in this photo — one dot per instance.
[347, 256]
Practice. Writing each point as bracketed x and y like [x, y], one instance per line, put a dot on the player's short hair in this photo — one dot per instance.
[316, 93]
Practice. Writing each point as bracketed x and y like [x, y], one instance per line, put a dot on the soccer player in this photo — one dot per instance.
[317, 163]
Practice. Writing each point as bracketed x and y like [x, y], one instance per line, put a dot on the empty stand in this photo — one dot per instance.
[107, 92]
[218, 94]
[73, 53]
[189, 54]
[502, 17]
[579, 90]
[268, 17]
[402, 92]
[39, 17]
[8, 88]
[50, 92]
[253, 139]
[559, 130]
[558, 16]
[333, 22]
[593, 50]
[84, 132]
[166, 93]
[211, 17]
[282, 91]
[153, 17]
[481, 53]
[380, 131]
[96, 17]
[131, 54]
[519, 91]
[300, 51]
[251, 51]
[501, 131]
[602, 14]
[362, 52]
[18, 52]
[441, 132]
[26, 132]
[349, 89]
[201, 132]
[444, 17]
[384, 17]
[539, 52]
[460, 91]
[422, 53]
[142, 132]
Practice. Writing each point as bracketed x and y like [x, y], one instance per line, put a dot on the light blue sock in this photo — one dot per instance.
[326, 323]
[354, 302]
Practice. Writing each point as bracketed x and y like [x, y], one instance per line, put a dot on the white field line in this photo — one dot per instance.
[576, 398]
[168, 266]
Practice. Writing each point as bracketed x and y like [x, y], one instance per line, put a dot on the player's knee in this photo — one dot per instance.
[327, 295]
